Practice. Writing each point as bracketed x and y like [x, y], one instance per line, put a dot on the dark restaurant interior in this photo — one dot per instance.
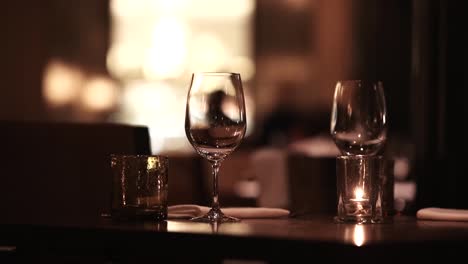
[122, 62]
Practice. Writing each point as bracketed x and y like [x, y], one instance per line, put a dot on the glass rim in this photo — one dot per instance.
[130, 156]
[359, 157]
[216, 73]
[379, 82]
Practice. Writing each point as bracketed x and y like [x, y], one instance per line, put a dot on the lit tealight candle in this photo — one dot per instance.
[359, 194]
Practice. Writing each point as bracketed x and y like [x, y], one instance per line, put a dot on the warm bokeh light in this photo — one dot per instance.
[124, 60]
[221, 9]
[157, 44]
[99, 94]
[208, 54]
[166, 55]
[132, 8]
[168, 39]
[401, 168]
[61, 83]
[245, 66]
[156, 105]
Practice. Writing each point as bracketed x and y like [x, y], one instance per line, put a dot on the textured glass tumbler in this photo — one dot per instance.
[140, 187]
[364, 189]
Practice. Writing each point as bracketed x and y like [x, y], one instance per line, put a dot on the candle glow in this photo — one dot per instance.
[359, 193]
[359, 196]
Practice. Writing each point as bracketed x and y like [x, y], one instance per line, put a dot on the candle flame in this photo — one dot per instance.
[359, 193]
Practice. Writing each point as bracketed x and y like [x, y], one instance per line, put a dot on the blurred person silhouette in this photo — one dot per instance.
[283, 124]
[216, 101]
[287, 124]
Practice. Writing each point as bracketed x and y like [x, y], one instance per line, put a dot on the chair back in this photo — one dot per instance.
[61, 170]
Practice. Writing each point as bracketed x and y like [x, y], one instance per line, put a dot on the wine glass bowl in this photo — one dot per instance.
[215, 125]
[358, 120]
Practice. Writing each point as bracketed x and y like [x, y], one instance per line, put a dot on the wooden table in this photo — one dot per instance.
[102, 240]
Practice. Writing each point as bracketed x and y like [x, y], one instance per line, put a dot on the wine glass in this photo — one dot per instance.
[215, 124]
[358, 120]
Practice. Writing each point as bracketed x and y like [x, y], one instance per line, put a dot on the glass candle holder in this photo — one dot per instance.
[364, 189]
[140, 187]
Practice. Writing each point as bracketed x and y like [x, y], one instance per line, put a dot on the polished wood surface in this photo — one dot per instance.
[270, 240]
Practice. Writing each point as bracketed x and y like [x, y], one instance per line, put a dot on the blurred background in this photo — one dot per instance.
[130, 61]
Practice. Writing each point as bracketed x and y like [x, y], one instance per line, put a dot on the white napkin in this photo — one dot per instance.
[434, 213]
[192, 210]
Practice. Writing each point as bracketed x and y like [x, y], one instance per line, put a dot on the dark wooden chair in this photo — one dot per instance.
[61, 170]
[186, 180]
[312, 183]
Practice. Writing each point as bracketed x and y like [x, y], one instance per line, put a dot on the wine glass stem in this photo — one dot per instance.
[215, 169]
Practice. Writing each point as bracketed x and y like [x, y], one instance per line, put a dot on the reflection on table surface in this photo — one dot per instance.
[403, 229]
[309, 237]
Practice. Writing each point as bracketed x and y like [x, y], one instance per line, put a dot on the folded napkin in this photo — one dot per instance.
[192, 210]
[434, 213]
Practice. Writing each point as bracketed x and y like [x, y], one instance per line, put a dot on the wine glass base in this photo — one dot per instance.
[352, 219]
[215, 215]
[360, 220]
